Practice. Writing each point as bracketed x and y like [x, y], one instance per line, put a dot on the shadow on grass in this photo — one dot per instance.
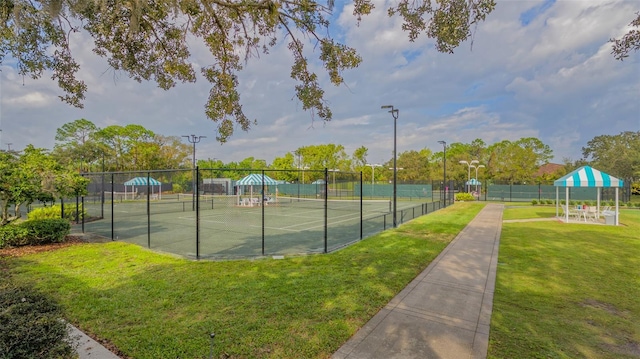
[567, 289]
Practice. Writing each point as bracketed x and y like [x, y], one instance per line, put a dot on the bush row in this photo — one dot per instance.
[31, 325]
[34, 232]
[52, 212]
[464, 196]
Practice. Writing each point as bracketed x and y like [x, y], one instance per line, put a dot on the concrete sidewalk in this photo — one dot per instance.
[445, 312]
[86, 347]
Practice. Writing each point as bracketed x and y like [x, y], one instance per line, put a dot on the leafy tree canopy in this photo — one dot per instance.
[618, 155]
[629, 42]
[149, 40]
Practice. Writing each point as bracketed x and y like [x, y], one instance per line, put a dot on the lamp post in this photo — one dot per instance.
[444, 167]
[373, 176]
[476, 167]
[335, 190]
[394, 113]
[469, 164]
[194, 139]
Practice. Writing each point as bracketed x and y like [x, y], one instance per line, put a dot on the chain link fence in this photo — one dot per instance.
[201, 213]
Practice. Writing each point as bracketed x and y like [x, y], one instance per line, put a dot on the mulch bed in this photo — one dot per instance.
[71, 240]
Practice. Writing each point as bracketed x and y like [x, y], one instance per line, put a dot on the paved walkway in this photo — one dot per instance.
[445, 312]
[88, 348]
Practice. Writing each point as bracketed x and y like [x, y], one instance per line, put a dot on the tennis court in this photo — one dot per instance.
[221, 217]
[227, 229]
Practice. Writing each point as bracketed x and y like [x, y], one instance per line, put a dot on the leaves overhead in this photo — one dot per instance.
[149, 40]
[629, 42]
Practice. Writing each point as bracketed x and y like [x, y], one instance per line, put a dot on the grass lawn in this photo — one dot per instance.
[151, 305]
[567, 290]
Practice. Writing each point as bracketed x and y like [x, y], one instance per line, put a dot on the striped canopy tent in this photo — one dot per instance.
[142, 181]
[255, 179]
[474, 182]
[588, 177]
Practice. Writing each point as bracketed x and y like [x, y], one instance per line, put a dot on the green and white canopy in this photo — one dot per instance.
[588, 177]
[255, 179]
[142, 181]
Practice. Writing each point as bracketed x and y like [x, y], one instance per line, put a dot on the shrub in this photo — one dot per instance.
[637, 204]
[550, 201]
[50, 212]
[464, 196]
[572, 203]
[629, 204]
[177, 188]
[13, 235]
[34, 232]
[611, 203]
[45, 231]
[534, 202]
[31, 325]
[55, 211]
[635, 188]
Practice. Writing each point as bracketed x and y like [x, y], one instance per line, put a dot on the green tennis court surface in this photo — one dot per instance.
[229, 227]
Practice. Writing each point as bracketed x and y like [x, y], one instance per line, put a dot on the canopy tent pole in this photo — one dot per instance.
[557, 204]
[598, 202]
[566, 213]
[617, 207]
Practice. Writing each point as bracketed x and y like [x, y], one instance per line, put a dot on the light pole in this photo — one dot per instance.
[469, 164]
[373, 174]
[476, 167]
[444, 167]
[335, 190]
[394, 113]
[194, 139]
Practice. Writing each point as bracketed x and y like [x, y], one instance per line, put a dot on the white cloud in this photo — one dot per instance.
[553, 79]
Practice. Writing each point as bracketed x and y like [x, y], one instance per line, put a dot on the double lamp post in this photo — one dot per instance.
[473, 164]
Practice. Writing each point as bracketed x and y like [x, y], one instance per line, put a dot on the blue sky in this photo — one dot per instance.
[536, 69]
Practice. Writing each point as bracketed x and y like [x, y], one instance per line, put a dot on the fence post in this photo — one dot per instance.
[61, 207]
[77, 209]
[197, 205]
[361, 208]
[82, 214]
[149, 210]
[539, 192]
[262, 206]
[326, 205]
[112, 214]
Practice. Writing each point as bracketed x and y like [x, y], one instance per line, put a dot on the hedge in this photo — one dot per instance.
[34, 232]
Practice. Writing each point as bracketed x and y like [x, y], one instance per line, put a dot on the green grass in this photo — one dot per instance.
[567, 290]
[151, 305]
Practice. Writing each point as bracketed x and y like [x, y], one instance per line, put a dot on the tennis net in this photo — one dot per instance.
[377, 206]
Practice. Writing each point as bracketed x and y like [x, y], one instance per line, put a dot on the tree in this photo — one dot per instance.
[34, 175]
[150, 40]
[517, 162]
[629, 42]
[618, 155]
[75, 143]
[414, 164]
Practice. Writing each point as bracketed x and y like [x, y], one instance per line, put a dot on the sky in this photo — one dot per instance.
[539, 69]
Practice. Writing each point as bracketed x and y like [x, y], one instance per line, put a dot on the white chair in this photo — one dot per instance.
[591, 213]
[245, 202]
[573, 213]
